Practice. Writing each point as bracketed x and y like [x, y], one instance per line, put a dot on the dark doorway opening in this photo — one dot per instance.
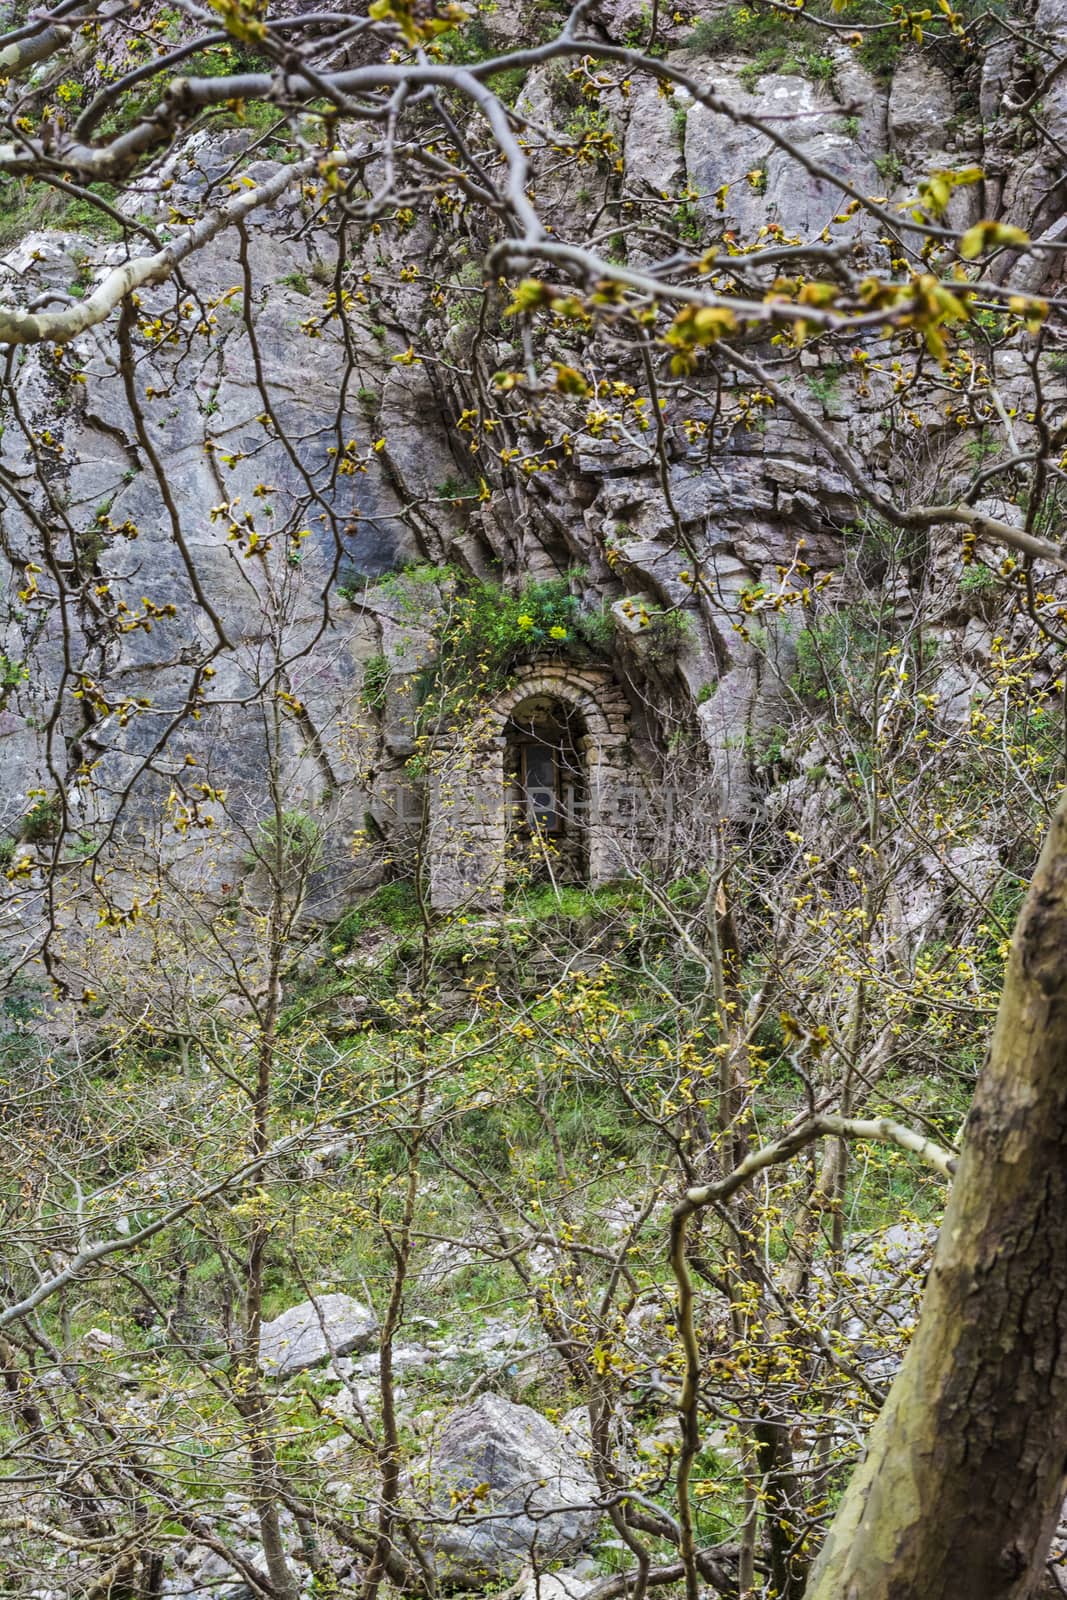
[546, 778]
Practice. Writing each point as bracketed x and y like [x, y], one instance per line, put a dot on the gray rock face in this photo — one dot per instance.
[654, 154]
[296, 1340]
[539, 1503]
[920, 104]
[762, 183]
[746, 493]
[1050, 22]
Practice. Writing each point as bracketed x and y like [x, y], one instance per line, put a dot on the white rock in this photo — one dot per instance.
[97, 1342]
[525, 1471]
[566, 1585]
[295, 1340]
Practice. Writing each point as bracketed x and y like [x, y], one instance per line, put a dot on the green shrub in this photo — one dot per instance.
[788, 57]
[880, 52]
[376, 674]
[977, 579]
[12, 673]
[825, 385]
[42, 819]
[485, 1130]
[483, 633]
[456, 488]
[838, 652]
[598, 1120]
[393, 905]
[294, 837]
[28, 205]
[777, 42]
[508, 84]
[889, 166]
[664, 636]
[80, 848]
[543, 902]
[464, 46]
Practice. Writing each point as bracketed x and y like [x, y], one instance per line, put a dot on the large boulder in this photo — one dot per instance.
[511, 1488]
[333, 1324]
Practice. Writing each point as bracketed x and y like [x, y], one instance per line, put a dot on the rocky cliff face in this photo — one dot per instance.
[279, 460]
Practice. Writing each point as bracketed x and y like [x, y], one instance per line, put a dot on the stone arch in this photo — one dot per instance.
[561, 685]
[469, 795]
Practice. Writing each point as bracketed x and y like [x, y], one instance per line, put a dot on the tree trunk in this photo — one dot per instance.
[963, 1478]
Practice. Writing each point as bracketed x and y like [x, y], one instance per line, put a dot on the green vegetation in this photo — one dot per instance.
[292, 838]
[465, 306]
[483, 632]
[689, 222]
[468, 44]
[982, 447]
[541, 903]
[393, 907]
[376, 672]
[280, 1048]
[588, 120]
[471, 43]
[664, 635]
[12, 673]
[978, 579]
[457, 488]
[26, 207]
[79, 848]
[841, 653]
[777, 42]
[889, 167]
[825, 385]
[42, 819]
[770, 747]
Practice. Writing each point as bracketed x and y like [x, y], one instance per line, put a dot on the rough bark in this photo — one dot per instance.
[964, 1475]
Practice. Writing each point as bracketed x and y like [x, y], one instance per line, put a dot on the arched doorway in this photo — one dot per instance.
[537, 780]
[547, 785]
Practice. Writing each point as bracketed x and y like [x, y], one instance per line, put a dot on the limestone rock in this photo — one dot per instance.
[763, 184]
[860, 91]
[1050, 24]
[570, 1584]
[654, 138]
[539, 1503]
[920, 104]
[97, 1343]
[922, 108]
[296, 1340]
